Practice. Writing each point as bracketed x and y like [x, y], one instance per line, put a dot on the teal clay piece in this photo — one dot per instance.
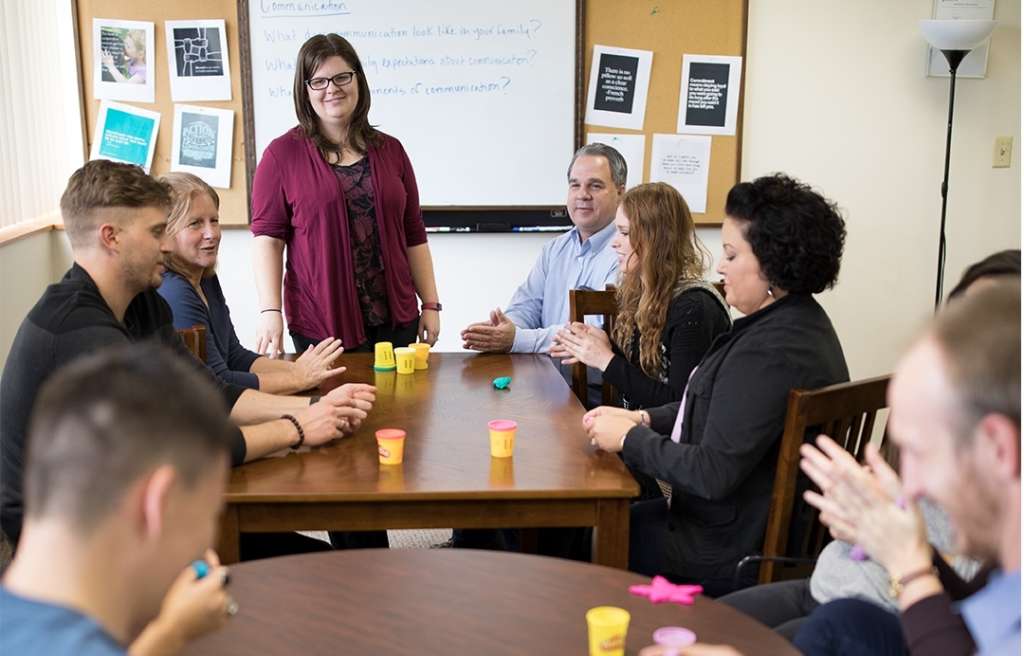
[502, 383]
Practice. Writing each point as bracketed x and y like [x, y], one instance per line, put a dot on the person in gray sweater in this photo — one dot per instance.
[784, 605]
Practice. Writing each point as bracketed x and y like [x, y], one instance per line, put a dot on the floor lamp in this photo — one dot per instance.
[955, 38]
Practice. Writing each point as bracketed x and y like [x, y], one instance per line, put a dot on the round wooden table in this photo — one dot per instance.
[450, 601]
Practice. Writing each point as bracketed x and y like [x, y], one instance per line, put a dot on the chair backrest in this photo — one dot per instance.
[845, 412]
[195, 340]
[584, 303]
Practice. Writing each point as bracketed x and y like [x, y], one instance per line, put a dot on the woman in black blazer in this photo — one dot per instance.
[782, 242]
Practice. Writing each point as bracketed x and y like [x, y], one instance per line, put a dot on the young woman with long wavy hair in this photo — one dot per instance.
[668, 315]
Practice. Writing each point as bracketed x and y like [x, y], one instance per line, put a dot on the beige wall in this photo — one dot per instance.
[836, 95]
[27, 266]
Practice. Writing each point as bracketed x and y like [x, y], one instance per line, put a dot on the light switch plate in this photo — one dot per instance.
[1002, 153]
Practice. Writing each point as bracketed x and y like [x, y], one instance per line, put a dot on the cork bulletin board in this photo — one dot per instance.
[233, 201]
[671, 28]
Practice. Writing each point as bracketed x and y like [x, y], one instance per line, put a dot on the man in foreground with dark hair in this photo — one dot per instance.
[124, 481]
[115, 216]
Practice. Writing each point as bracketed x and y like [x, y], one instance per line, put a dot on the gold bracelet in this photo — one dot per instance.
[896, 586]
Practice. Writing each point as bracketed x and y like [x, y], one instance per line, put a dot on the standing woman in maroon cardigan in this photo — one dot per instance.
[342, 197]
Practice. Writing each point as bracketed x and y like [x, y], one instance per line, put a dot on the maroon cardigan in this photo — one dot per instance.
[296, 197]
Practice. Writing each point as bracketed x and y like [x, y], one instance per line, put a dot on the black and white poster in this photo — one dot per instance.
[198, 58]
[616, 83]
[709, 94]
[197, 52]
[201, 143]
[619, 78]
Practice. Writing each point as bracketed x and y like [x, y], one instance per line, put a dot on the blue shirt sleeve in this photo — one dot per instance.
[526, 310]
[540, 306]
[189, 310]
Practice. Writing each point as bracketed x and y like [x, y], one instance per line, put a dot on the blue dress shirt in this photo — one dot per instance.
[992, 615]
[540, 307]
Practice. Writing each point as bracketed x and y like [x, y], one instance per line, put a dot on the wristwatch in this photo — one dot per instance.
[436, 307]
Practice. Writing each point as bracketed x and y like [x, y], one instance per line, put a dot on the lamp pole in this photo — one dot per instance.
[954, 57]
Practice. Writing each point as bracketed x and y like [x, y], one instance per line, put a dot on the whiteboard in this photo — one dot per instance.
[481, 93]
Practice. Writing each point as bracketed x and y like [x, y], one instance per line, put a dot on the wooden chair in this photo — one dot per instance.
[845, 412]
[584, 303]
[195, 340]
[6, 551]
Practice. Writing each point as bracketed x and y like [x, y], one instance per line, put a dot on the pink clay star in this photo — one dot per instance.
[661, 590]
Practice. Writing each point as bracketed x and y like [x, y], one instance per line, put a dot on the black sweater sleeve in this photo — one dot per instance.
[694, 320]
[238, 449]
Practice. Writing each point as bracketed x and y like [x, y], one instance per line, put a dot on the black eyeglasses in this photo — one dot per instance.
[340, 80]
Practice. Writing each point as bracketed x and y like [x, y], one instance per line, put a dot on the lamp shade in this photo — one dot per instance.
[956, 34]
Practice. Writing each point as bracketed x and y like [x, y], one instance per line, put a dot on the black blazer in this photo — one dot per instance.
[722, 469]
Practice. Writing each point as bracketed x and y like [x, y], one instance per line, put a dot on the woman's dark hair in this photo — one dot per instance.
[796, 234]
[1003, 263]
[312, 54]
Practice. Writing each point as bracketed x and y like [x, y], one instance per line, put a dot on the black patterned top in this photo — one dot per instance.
[367, 260]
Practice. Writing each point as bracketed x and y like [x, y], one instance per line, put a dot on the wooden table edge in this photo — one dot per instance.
[608, 516]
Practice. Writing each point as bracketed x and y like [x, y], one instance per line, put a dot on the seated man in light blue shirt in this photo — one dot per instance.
[579, 258]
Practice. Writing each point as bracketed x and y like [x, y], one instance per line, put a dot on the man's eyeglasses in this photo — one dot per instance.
[340, 80]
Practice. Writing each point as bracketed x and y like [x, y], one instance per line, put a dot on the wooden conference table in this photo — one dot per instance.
[450, 601]
[448, 478]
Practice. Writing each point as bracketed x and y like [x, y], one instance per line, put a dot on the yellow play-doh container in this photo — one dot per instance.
[390, 445]
[422, 355]
[606, 630]
[383, 356]
[405, 358]
[503, 437]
